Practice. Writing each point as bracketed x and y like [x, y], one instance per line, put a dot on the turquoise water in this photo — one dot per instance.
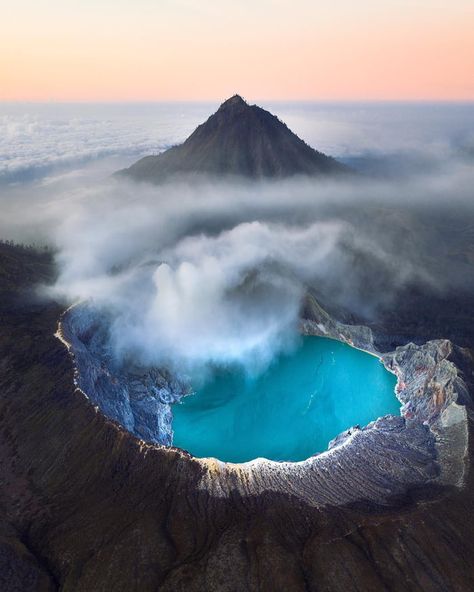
[290, 412]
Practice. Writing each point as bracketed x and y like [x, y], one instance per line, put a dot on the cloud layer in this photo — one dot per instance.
[41, 140]
[191, 273]
[38, 140]
[215, 272]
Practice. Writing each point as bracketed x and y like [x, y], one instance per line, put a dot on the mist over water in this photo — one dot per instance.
[192, 273]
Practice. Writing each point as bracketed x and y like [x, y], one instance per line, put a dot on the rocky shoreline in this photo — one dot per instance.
[376, 464]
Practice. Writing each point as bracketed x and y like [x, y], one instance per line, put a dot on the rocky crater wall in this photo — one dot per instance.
[376, 464]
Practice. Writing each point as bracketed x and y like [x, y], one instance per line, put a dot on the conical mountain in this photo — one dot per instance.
[238, 140]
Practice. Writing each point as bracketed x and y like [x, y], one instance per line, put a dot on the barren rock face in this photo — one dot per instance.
[137, 398]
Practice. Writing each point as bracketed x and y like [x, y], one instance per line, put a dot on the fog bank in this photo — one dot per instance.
[198, 271]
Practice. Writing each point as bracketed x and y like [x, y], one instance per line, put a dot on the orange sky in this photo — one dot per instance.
[209, 49]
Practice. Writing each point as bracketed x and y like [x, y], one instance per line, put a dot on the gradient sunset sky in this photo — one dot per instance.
[122, 50]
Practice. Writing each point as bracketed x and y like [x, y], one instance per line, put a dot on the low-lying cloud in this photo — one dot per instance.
[194, 272]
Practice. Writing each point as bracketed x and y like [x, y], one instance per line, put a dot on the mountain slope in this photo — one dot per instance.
[242, 140]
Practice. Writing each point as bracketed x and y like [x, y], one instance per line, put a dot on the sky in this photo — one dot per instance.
[161, 50]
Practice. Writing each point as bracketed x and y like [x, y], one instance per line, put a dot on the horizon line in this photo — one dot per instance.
[215, 100]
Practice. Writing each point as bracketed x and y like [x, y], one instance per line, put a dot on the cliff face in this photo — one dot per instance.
[238, 140]
[137, 398]
[86, 506]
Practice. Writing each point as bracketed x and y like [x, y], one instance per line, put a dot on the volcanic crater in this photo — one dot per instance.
[377, 463]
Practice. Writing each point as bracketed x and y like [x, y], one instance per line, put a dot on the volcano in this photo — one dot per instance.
[238, 140]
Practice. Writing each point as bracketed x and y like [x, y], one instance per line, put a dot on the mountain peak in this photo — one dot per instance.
[238, 140]
[235, 103]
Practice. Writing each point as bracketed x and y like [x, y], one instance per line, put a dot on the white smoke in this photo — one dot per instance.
[233, 298]
[198, 273]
